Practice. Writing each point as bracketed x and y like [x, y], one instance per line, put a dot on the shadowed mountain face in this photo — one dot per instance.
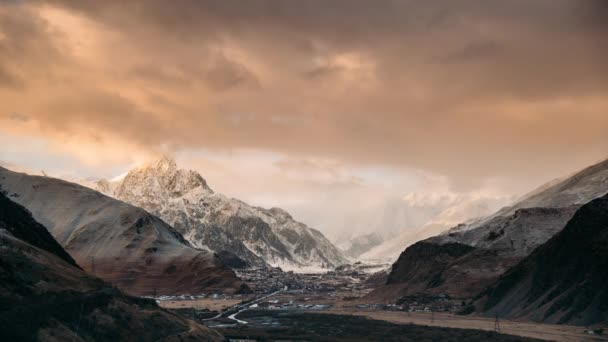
[117, 242]
[44, 296]
[562, 281]
[489, 247]
[20, 224]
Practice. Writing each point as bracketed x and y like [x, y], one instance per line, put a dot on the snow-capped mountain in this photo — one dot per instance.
[464, 260]
[212, 221]
[397, 222]
[470, 221]
[462, 211]
[360, 244]
[117, 242]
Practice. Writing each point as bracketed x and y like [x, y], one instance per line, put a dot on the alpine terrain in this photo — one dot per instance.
[119, 243]
[562, 281]
[462, 209]
[463, 261]
[212, 221]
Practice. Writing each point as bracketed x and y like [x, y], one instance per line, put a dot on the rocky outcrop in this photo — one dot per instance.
[232, 260]
[122, 244]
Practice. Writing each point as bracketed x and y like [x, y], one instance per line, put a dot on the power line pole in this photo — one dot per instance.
[496, 324]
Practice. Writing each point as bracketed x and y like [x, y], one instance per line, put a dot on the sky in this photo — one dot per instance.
[336, 110]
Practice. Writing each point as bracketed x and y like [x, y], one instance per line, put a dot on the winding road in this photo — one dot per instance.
[241, 307]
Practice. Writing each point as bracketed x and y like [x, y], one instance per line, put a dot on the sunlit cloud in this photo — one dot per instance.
[306, 104]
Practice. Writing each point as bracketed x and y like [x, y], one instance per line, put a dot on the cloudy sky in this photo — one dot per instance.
[323, 107]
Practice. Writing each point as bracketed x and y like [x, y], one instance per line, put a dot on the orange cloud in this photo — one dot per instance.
[468, 88]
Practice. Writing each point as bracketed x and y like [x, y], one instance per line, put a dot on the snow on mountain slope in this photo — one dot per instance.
[466, 210]
[209, 220]
[361, 244]
[579, 188]
[463, 261]
[415, 216]
[120, 243]
[575, 190]
[510, 227]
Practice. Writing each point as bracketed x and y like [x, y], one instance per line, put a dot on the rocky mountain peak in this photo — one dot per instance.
[280, 214]
[164, 165]
[215, 222]
[163, 178]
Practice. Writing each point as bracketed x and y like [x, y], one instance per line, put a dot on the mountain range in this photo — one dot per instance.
[214, 222]
[461, 210]
[117, 242]
[465, 260]
[162, 230]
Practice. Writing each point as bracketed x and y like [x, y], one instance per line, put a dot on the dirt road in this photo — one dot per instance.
[541, 331]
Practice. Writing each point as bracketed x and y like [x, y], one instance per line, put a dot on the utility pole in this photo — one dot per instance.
[497, 324]
[432, 316]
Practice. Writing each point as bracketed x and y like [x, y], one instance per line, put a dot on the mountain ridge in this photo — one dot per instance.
[120, 243]
[212, 221]
[495, 243]
[45, 296]
[562, 281]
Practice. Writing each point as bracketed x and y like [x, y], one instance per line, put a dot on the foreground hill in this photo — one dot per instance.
[45, 296]
[465, 260]
[562, 281]
[218, 223]
[117, 242]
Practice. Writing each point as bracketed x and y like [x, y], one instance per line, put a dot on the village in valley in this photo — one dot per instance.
[344, 288]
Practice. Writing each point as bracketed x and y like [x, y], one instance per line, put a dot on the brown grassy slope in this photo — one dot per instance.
[120, 243]
[45, 297]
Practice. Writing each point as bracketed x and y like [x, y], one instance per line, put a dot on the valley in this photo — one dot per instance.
[302, 171]
[280, 314]
[487, 279]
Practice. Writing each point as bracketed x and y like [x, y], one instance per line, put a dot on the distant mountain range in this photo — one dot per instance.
[45, 296]
[461, 209]
[120, 243]
[214, 222]
[467, 259]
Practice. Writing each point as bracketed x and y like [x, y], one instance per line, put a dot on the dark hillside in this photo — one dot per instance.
[562, 281]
